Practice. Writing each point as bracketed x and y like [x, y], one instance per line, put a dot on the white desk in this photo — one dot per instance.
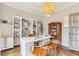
[28, 42]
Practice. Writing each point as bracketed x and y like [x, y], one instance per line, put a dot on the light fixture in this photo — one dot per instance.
[48, 8]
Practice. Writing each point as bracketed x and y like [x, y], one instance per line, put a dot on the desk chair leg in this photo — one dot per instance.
[54, 51]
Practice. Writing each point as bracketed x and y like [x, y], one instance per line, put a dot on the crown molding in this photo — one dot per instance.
[66, 7]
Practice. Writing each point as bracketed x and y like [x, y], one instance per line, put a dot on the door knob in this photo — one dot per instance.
[69, 33]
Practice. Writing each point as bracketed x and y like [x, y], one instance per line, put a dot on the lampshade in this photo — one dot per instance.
[48, 8]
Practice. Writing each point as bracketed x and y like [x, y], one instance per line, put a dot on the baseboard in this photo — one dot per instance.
[64, 47]
[10, 48]
[16, 45]
[6, 49]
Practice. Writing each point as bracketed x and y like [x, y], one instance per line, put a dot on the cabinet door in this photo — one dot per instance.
[16, 30]
[3, 44]
[9, 42]
[6, 43]
[58, 30]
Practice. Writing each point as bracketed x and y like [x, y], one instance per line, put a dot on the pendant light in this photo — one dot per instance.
[48, 8]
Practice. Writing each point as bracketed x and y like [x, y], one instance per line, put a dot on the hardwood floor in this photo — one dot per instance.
[0, 53]
[11, 52]
[16, 52]
[70, 52]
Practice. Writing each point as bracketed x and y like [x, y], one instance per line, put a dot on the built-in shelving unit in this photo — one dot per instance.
[6, 34]
[16, 31]
[26, 27]
[40, 27]
[37, 28]
[34, 27]
[55, 30]
[12, 31]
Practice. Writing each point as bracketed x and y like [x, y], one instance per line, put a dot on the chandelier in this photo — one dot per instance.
[48, 8]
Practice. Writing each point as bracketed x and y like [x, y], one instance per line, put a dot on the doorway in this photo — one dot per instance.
[74, 31]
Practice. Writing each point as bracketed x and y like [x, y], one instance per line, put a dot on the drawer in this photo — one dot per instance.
[10, 43]
[3, 44]
[6, 43]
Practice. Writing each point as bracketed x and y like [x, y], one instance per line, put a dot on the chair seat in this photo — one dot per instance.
[40, 52]
[53, 46]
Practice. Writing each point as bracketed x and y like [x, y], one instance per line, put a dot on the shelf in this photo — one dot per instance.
[16, 32]
[55, 30]
[26, 26]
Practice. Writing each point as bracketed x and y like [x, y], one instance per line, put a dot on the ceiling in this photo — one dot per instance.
[35, 7]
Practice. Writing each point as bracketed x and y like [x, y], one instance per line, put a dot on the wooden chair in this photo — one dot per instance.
[54, 47]
[40, 51]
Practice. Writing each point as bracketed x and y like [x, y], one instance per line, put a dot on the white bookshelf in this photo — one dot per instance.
[24, 28]
[16, 30]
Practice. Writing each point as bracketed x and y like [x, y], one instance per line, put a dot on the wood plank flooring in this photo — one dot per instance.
[16, 52]
[11, 52]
